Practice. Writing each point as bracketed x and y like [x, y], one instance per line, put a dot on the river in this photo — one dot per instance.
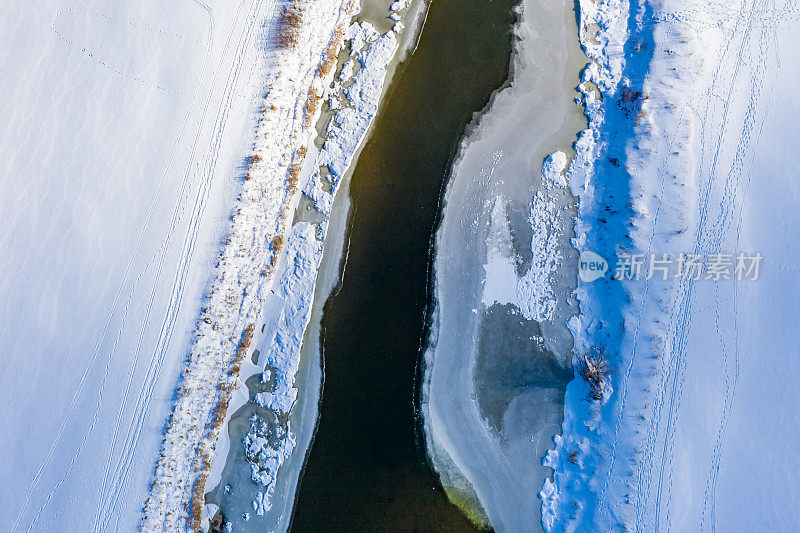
[367, 468]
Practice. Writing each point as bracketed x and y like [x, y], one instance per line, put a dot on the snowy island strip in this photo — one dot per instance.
[632, 167]
[307, 36]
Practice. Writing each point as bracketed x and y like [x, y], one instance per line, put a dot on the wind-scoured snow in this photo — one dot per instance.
[124, 129]
[688, 151]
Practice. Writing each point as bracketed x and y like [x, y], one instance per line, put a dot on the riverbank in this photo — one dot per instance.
[275, 419]
[499, 353]
[690, 154]
[246, 267]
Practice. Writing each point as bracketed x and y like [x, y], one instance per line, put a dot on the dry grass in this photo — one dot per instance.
[331, 54]
[294, 170]
[244, 345]
[573, 457]
[288, 28]
[312, 105]
[294, 174]
[220, 412]
[631, 102]
[277, 244]
[594, 368]
[252, 161]
[198, 493]
[291, 183]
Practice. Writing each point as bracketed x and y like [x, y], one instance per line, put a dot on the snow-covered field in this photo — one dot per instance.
[691, 150]
[124, 133]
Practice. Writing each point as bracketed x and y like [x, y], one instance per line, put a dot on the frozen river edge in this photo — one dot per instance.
[499, 353]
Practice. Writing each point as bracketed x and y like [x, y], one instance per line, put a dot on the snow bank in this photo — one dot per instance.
[669, 165]
[309, 35]
[360, 100]
[570, 498]
[268, 444]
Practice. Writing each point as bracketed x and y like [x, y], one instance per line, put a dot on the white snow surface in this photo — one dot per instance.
[700, 433]
[500, 283]
[124, 128]
[532, 292]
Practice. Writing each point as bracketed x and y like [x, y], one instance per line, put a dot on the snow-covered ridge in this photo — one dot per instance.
[566, 497]
[570, 499]
[308, 36]
[633, 169]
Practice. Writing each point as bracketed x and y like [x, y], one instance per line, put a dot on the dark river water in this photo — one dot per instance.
[366, 470]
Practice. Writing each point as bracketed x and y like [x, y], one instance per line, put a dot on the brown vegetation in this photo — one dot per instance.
[294, 170]
[288, 27]
[312, 104]
[573, 457]
[198, 492]
[594, 368]
[331, 54]
[631, 102]
[277, 244]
